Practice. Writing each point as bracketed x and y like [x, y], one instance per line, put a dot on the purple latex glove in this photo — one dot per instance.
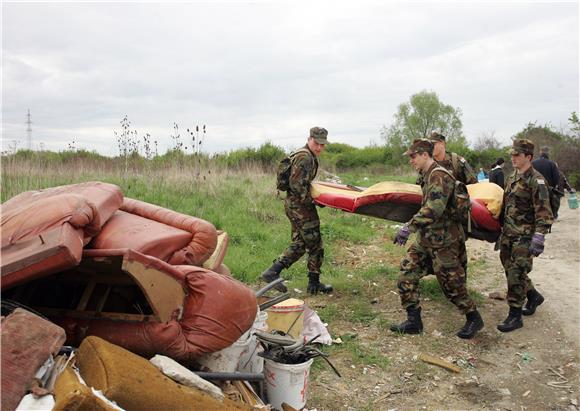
[537, 245]
[402, 236]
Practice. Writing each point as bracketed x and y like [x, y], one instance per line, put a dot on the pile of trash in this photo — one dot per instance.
[94, 284]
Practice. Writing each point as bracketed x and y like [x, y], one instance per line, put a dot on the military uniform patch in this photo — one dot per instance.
[543, 189]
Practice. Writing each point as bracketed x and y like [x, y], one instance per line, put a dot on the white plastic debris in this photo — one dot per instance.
[313, 326]
[32, 403]
[182, 375]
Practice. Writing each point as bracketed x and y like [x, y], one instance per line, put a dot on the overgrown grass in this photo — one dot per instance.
[242, 201]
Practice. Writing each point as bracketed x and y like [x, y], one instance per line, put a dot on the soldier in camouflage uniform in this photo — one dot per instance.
[453, 162]
[437, 248]
[527, 218]
[460, 169]
[301, 211]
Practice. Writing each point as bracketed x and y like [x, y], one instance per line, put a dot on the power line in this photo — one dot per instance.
[28, 131]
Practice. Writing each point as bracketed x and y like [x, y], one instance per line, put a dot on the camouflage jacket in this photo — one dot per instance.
[526, 205]
[433, 222]
[461, 169]
[303, 171]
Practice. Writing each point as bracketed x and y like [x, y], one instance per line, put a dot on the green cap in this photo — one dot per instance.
[522, 146]
[420, 145]
[436, 137]
[319, 135]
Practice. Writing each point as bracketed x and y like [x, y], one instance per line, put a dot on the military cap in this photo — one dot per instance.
[522, 146]
[420, 145]
[319, 135]
[435, 137]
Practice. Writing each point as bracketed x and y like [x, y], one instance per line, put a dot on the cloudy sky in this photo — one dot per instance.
[262, 71]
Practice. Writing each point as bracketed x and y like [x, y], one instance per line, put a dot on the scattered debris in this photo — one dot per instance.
[387, 395]
[525, 357]
[504, 392]
[286, 350]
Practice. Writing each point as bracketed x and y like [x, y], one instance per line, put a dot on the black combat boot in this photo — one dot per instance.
[534, 300]
[473, 324]
[315, 286]
[413, 324]
[273, 273]
[512, 322]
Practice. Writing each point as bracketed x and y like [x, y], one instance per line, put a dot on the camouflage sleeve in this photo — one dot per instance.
[299, 177]
[440, 187]
[469, 176]
[419, 180]
[542, 209]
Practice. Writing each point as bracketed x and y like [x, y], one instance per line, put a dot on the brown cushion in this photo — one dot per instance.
[72, 395]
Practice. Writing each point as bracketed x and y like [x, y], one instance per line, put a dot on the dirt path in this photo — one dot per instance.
[557, 272]
[533, 368]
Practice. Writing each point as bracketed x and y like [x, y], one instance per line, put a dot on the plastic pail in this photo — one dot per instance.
[250, 361]
[288, 316]
[572, 201]
[227, 360]
[287, 383]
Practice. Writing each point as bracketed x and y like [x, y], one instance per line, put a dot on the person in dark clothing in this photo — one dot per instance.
[550, 171]
[496, 175]
[564, 184]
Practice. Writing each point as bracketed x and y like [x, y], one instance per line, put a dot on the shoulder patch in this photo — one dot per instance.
[462, 159]
[544, 195]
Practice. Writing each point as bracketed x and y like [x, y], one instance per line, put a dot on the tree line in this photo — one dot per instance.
[423, 113]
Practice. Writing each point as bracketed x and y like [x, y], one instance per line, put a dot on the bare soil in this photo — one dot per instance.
[533, 368]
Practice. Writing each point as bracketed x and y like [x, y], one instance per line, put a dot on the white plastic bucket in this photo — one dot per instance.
[287, 383]
[227, 360]
[250, 361]
[288, 316]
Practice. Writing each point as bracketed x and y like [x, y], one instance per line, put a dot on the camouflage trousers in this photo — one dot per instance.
[447, 266]
[516, 260]
[305, 236]
[555, 198]
[463, 256]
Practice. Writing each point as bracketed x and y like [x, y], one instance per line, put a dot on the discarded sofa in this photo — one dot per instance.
[45, 231]
[133, 273]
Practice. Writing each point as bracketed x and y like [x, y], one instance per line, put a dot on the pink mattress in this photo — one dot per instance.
[397, 202]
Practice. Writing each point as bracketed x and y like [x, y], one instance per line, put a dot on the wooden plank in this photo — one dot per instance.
[439, 362]
[82, 305]
[57, 312]
[164, 293]
[103, 299]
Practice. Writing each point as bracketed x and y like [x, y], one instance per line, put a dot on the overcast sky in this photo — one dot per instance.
[268, 71]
